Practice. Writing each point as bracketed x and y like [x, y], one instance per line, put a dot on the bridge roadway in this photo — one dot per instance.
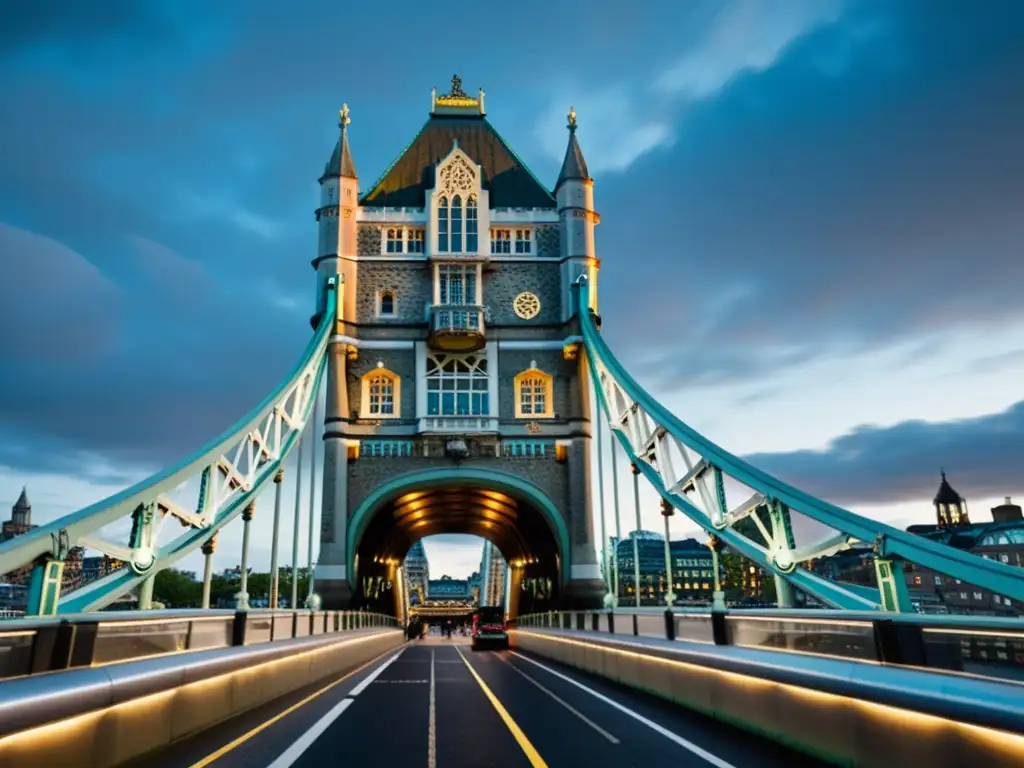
[436, 703]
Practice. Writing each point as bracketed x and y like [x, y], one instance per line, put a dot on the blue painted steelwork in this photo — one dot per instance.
[642, 426]
[262, 439]
[468, 477]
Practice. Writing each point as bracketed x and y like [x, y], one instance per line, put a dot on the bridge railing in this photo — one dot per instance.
[32, 646]
[983, 646]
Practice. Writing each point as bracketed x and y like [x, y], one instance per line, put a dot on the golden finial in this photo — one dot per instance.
[572, 118]
[343, 117]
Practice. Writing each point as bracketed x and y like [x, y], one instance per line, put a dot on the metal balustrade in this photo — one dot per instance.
[981, 646]
[32, 646]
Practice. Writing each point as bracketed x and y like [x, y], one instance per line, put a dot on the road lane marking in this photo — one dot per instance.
[432, 727]
[563, 702]
[684, 743]
[517, 733]
[297, 748]
[373, 676]
[219, 753]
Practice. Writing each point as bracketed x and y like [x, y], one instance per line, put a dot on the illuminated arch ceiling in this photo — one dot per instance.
[515, 527]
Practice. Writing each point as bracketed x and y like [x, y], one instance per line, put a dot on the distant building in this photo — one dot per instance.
[692, 569]
[21, 518]
[1002, 540]
[494, 573]
[417, 571]
[475, 581]
[448, 589]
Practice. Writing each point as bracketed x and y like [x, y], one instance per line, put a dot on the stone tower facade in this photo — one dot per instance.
[457, 395]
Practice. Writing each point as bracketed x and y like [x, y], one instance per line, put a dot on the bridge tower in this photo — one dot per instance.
[457, 396]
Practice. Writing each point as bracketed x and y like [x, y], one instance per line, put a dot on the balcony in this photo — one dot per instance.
[456, 328]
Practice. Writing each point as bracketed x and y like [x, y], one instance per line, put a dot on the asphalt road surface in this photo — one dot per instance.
[438, 704]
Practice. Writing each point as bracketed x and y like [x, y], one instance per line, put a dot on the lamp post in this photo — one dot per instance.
[667, 510]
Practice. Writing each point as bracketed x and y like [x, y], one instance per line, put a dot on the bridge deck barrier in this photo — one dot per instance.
[848, 712]
[105, 716]
[983, 646]
[33, 646]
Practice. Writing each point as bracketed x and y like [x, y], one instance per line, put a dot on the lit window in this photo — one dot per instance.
[938, 581]
[387, 304]
[978, 596]
[472, 239]
[442, 224]
[394, 241]
[533, 395]
[917, 581]
[380, 395]
[501, 241]
[963, 595]
[414, 244]
[1004, 558]
[457, 385]
[523, 241]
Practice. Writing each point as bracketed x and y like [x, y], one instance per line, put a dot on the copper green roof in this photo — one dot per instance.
[506, 177]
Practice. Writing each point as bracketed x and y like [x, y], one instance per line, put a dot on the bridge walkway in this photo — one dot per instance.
[437, 703]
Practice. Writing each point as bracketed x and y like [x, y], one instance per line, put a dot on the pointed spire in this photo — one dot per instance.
[347, 167]
[341, 163]
[22, 502]
[946, 493]
[574, 167]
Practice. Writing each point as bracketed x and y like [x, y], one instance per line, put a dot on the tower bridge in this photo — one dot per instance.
[467, 384]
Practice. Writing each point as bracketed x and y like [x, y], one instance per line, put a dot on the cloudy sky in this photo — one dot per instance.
[812, 233]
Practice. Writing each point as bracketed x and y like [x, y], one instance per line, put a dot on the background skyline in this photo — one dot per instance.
[810, 240]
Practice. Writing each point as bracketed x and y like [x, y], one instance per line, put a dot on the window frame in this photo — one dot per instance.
[365, 409]
[380, 303]
[547, 381]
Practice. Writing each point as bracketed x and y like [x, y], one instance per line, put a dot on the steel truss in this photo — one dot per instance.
[231, 470]
[690, 473]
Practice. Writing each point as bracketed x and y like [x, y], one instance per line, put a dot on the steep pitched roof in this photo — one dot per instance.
[22, 502]
[946, 494]
[341, 163]
[573, 166]
[510, 182]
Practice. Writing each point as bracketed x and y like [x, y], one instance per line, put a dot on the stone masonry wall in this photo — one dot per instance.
[399, 361]
[514, 361]
[368, 240]
[409, 280]
[548, 240]
[508, 279]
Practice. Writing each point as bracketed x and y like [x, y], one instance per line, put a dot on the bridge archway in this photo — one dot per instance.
[512, 513]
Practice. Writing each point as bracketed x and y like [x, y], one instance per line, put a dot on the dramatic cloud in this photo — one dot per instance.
[819, 181]
[54, 305]
[873, 465]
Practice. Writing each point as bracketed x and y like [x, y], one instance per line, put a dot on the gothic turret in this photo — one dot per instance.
[574, 193]
[950, 506]
[21, 512]
[339, 199]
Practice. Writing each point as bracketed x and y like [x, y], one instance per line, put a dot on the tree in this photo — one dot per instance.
[176, 589]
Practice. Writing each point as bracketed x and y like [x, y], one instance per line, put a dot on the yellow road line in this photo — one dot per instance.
[524, 743]
[263, 726]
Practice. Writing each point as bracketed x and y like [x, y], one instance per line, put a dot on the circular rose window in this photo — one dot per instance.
[526, 305]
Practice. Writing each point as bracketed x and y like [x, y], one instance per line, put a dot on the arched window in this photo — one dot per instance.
[442, 224]
[456, 224]
[386, 306]
[533, 393]
[471, 224]
[381, 395]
